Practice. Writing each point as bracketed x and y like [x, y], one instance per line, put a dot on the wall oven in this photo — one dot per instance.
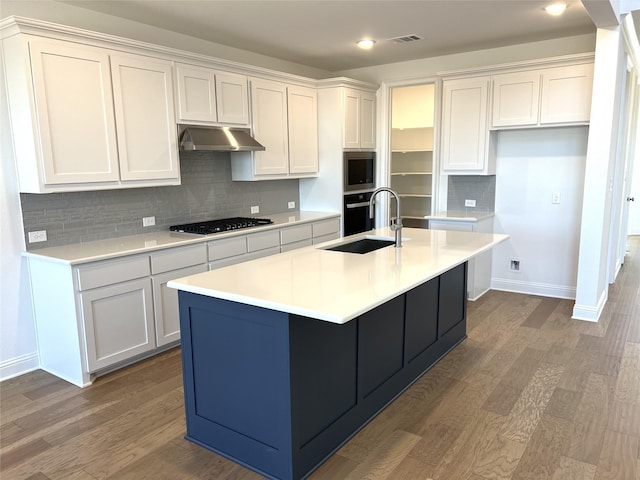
[359, 171]
[356, 213]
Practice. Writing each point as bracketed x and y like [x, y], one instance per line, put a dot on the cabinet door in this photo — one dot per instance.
[303, 130]
[118, 322]
[269, 109]
[464, 124]
[351, 125]
[196, 94]
[367, 120]
[165, 302]
[516, 98]
[145, 118]
[566, 94]
[232, 98]
[72, 88]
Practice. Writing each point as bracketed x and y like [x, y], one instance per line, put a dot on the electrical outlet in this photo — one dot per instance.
[555, 197]
[291, 205]
[38, 236]
[255, 209]
[469, 203]
[148, 221]
[515, 265]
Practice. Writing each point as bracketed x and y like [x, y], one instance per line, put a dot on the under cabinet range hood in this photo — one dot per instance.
[220, 139]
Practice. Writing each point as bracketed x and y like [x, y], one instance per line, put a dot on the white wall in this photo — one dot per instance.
[18, 350]
[531, 166]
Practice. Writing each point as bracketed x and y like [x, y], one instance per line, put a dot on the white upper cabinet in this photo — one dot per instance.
[285, 121]
[269, 113]
[543, 97]
[566, 94]
[145, 118]
[516, 98]
[209, 96]
[359, 129]
[303, 130]
[465, 136]
[84, 118]
[73, 102]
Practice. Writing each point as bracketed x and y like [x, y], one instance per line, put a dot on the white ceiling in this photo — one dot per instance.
[322, 33]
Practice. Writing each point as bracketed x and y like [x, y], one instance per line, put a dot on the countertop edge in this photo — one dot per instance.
[182, 239]
[256, 301]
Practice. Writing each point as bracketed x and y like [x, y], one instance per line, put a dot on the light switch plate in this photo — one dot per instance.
[255, 209]
[291, 205]
[469, 203]
[555, 197]
[148, 221]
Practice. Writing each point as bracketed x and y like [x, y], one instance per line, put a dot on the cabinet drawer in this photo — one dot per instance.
[229, 247]
[326, 238]
[456, 226]
[260, 241]
[326, 227]
[175, 258]
[295, 245]
[295, 234]
[108, 273]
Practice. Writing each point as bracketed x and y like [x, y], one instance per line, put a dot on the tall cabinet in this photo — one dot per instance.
[412, 160]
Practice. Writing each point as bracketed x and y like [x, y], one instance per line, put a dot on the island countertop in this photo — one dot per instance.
[336, 286]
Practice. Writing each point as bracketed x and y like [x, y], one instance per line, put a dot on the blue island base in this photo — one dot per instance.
[279, 393]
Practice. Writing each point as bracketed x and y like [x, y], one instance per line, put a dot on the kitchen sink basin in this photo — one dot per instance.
[364, 245]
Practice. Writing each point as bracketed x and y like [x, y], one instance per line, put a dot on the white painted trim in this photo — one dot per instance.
[534, 288]
[17, 366]
[562, 60]
[588, 313]
[16, 25]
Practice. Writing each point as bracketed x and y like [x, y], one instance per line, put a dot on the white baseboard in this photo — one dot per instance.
[19, 366]
[590, 313]
[533, 288]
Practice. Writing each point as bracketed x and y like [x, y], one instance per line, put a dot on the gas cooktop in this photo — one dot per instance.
[221, 225]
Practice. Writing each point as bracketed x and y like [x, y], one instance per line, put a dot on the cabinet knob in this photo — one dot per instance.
[631, 199]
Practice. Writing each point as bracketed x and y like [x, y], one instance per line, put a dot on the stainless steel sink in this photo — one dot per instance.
[364, 245]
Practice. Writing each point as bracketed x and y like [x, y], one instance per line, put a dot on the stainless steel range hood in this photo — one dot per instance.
[220, 139]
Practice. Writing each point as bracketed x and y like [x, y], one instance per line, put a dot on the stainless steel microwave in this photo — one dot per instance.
[359, 171]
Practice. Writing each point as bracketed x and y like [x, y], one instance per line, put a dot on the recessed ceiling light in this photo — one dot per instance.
[365, 44]
[556, 9]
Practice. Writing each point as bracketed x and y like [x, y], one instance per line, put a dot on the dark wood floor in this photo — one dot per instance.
[531, 394]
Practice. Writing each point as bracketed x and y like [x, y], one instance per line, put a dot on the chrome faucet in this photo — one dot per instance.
[396, 223]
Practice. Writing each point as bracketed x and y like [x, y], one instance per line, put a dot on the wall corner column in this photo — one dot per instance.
[609, 70]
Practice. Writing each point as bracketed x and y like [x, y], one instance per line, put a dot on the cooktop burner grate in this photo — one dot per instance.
[221, 225]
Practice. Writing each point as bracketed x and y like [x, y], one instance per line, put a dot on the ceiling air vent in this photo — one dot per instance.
[406, 39]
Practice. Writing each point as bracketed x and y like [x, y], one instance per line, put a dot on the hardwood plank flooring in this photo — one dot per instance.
[530, 394]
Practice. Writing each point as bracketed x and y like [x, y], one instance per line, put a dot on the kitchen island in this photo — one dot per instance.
[286, 357]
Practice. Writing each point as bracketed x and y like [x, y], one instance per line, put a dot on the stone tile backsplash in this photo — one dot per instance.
[480, 188]
[206, 192]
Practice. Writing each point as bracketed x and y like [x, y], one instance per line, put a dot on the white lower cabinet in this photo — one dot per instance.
[168, 265]
[165, 300]
[479, 268]
[97, 316]
[118, 322]
[116, 308]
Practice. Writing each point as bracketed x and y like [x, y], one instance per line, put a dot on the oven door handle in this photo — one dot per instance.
[357, 205]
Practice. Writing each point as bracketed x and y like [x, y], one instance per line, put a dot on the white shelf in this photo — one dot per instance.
[414, 195]
[402, 174]
[407, 150]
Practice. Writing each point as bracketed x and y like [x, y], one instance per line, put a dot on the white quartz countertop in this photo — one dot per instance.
[461, 216]
[79, 253]
[337, 286]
